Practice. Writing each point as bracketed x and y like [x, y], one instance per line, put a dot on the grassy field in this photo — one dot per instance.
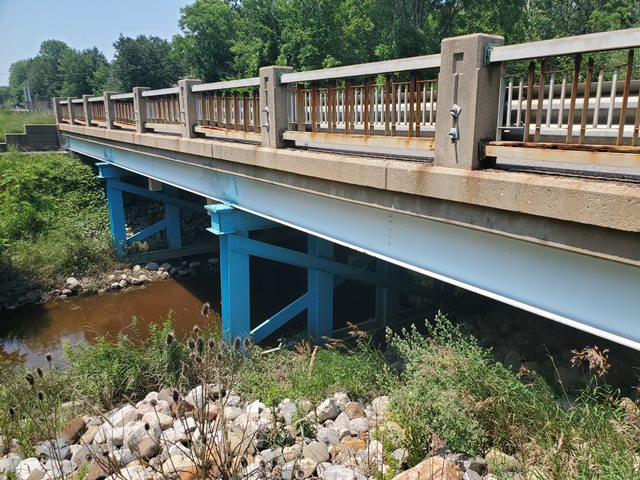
[13, 122]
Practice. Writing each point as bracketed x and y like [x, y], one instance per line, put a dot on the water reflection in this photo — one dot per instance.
[27, 334]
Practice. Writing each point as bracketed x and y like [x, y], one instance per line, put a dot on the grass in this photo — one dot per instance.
[53, 221]
[454, 394]
[14, 122]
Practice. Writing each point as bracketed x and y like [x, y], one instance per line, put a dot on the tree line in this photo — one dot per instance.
[226, 39]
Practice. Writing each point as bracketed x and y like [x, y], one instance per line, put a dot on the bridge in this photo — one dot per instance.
[507, 170]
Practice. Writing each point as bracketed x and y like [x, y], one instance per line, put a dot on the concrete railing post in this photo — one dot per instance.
[57, 108]
[87, 109]
[273, 106]
[466, 82]
[72, 116]
[109, 111]
[188, 108]
[139, 108]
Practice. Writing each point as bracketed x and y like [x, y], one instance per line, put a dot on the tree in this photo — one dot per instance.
[45, 75]
[18, 74]
[210, 29]
[83, 72]
[144, 62]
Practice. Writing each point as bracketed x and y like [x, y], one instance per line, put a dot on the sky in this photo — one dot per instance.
[25, 24]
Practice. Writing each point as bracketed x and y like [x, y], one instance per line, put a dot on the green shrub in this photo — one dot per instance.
[53, 221]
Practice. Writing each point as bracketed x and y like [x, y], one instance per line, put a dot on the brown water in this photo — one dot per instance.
[29, 333]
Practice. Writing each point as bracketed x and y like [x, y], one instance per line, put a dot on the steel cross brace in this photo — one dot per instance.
[172, 205]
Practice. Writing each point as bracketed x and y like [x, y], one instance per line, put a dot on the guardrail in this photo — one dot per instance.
[563, 101]
[123, 109]
[98, 115]
[162, 109]
[557, 100]
[229, 109]
[388, 104]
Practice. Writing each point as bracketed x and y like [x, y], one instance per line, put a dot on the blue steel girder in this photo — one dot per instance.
[597, 295]
[226, 219]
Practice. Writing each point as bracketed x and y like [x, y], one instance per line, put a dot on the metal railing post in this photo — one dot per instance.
[468, 93]
[140, 109]
[109, 112]
[188, 108]
[273, 106]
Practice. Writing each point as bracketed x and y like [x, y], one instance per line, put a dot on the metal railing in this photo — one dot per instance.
[229, 109]
[98, 114]
[124, 114]
[77, 106]
[162, 109]
[64, 105]
[590, 103]
[387, 99]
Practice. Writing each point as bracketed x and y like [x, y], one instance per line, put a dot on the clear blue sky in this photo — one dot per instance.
[24, 24]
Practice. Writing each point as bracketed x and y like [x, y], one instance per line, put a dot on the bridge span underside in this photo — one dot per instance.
[595, 294]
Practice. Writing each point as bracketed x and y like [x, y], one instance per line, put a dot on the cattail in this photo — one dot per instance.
[169, 339]
[175, 396]
[153, 402]
[12, 412]
[147, 426]
[198, 359]
[200, 345]
[246, 343]
[219, 357]
[206, 308]
[196, 329]
[191, 344]
[236, 343]
[211, 344]
[30, 380]
[41, 395]
[39, 372]
[48, 357]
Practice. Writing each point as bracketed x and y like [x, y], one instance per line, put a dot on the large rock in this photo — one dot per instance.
[354, 410]
[433, 468]
[26, 466]
[338, 472]
[148, 448]
[316, 451]
[73, 429]
[380, 405]
[165, 421]
[177, 464]
[359, 425]
[73, 284]
[151, 266]
[497, 458]
[58, 450]
[125, 415]
[9, 463]
[136, 432]
[328, 436]
[327, 410]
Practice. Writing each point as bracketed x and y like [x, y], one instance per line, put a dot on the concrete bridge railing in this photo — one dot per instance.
[584, 113]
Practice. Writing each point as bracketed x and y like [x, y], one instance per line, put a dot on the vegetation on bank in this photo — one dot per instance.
[446, 392]
[53, 222]
[14, 122]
